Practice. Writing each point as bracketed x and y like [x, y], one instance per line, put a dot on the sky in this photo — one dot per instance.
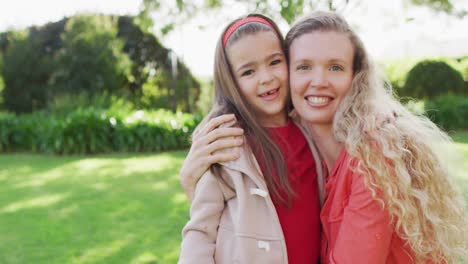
[383, 26]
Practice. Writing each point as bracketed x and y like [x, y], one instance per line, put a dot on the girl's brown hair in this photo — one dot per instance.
[228, 99]
[401, 159]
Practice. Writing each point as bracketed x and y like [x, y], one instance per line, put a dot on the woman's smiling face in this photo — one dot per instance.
[321, 74]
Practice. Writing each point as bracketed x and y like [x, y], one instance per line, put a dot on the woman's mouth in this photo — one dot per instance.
[318, 101]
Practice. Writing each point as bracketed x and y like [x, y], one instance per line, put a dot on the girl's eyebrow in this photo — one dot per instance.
[249, 64]
[246, 65]
[274, 55]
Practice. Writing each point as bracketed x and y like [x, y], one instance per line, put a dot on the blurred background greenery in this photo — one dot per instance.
[91, 103]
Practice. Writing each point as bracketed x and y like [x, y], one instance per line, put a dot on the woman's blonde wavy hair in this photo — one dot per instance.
[399, 159]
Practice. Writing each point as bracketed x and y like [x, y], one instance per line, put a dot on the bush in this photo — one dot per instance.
[205, 101]
[2, 83]
[449, 111]
[89, 131]
[429, 79]
[68, 103]
[397, 72]
[25, 72]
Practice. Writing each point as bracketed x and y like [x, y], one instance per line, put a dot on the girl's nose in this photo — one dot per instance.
[265, 77]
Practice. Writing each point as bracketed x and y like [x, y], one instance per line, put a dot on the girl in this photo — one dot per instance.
[261, 207]
[389, 198]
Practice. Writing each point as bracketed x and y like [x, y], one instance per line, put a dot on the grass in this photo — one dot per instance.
[461, 170]
[103, 209]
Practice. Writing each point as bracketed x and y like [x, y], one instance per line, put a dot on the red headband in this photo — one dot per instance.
[241, 22]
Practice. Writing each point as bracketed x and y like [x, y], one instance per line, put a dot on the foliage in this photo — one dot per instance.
[92, 54]
[174, 13]
[449, 111]
[2, 83]
[89, 130]
[92, 58]
[439, 5]
[396, 71]
[205, 100]
[159, 78]
[25, 72]
[429, 78]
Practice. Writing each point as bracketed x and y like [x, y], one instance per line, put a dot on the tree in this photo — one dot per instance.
[172, 13]
[26, 73]
[2, 84]
[153, 75]
[92, 58]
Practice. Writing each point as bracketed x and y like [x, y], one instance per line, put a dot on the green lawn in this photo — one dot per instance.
[461, 170]
[102, 209]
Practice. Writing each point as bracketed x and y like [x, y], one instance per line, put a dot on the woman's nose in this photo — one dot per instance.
[318, 78]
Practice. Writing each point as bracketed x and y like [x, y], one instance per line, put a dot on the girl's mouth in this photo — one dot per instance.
[270, 95]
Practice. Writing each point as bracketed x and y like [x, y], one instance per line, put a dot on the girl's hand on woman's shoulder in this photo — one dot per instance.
[214, 142]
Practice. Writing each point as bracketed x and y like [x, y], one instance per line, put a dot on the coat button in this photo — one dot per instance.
[263, 245]
[259, 192]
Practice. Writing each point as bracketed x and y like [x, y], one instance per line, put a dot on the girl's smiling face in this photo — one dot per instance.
[321, 74]
[260, 69]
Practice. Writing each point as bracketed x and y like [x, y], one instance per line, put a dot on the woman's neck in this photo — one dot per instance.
[328, 146]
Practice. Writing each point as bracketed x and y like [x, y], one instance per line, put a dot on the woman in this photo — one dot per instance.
[389, 197]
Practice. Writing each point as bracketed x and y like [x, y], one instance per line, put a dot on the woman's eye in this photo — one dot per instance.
[247, 73]
[302, 67]
[336, 68]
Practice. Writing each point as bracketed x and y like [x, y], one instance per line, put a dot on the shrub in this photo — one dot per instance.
[68, 103]
[2, 83]
[25, 73]
[429, 79]
[449, 111]
[397, 71]
[89, 131]
[205, 101]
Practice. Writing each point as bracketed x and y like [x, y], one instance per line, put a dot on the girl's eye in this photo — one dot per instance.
[247, 73]
[336, 68]
[275, 62]
[302, 67]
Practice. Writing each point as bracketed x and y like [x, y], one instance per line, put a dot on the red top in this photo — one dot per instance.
[300, 222]
[356, 227]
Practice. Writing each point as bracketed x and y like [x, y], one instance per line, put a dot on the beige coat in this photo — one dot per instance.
[239, 226]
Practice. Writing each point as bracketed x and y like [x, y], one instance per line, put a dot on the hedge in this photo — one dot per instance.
[429, 79]
[89, 131]
[448, 112]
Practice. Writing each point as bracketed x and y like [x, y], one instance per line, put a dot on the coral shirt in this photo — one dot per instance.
[356, 229]
[300, 222]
